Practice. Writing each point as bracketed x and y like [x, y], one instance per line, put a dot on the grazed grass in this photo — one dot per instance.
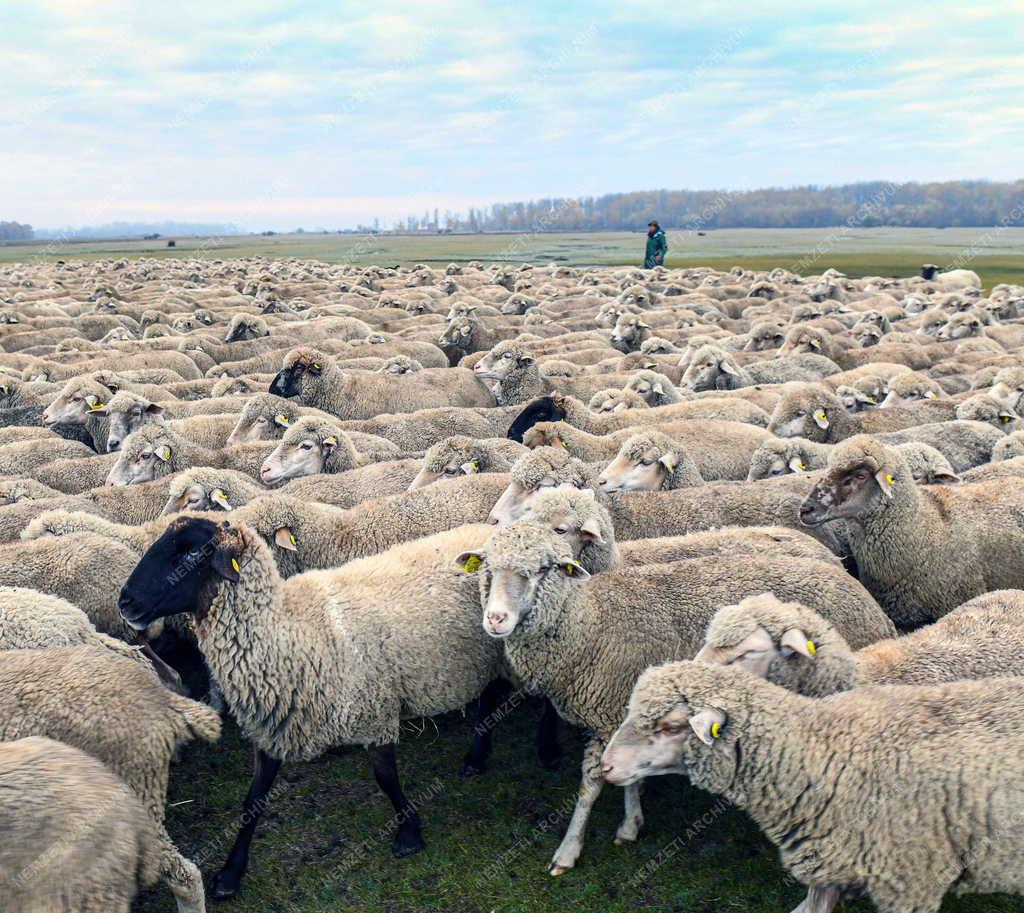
[489, 838]
[997, 255]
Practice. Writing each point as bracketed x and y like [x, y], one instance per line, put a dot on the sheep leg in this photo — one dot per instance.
[408, 840]
[634, 818]
[183, 878]
[590, 788]
[480, 749]
[549, 749]
[229, 878]
[819, 900]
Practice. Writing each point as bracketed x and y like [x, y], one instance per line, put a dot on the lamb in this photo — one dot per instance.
[464, 455]
[117, 711]
[650, 461]
[582, 645]
[315, 661]
[825, 787]
[920, 551]
[712, 368]
[793, 646]
[316, 381]
[52, 795]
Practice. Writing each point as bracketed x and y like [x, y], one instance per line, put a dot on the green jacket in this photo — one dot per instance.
[657, 248]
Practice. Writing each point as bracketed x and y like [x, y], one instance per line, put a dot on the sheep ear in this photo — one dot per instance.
[470, 562]
[886, 481]
[329, 443]
[795, 641]
[708, 725]
[726, 367]
[945, 478]
[669, 461]
[815, 343]
[154, 409]
[821, 419]
[99, 409]
[285, 539]
[220, 499]
[591, 530]
[226, 564]
[796, 465]
[575, 569]
[931, 394]
[163, 452]
[526, 359]
[658, 388]
[470, 467]
[281, 420]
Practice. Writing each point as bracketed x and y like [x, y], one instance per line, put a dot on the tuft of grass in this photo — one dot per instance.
[324, 844]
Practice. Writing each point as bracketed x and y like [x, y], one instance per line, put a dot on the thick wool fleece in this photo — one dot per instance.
[52, 795]
[327, 658]
[830, 781]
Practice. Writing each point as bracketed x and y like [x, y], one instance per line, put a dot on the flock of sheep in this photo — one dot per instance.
[763, 530]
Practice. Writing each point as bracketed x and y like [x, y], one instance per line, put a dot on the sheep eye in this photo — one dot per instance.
[145, 456]
[562, 529]
[260, 421]
[76, 399]
[646, 462]
[448, 471]
[507, 355]
[306, 445]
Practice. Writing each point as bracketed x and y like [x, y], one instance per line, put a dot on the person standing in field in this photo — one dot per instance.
[657, 246]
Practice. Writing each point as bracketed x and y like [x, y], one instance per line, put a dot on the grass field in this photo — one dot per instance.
[324, 844]
[996, 254]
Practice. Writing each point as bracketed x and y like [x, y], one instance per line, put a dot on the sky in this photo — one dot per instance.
[274, 115]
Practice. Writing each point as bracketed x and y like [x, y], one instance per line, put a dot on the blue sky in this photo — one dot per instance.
[279, 114]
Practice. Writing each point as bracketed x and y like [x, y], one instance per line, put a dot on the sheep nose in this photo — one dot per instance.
[497, 619]
[602, 481]
[113, 444]
[606, 768]
[493, 520]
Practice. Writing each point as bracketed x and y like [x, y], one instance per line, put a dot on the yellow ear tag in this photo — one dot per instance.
[332, 440]
[97, 406]
[1004, 419]
[472, 564]
[565, 445]
[291, 538]
[316, 367]
[475, 465]
[570, 570]
[890, 479]
[234, 564]
[813, 650]
[801, 467]
[281, 420]
[716, 730]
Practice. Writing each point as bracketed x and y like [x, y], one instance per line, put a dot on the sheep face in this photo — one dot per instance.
[629, 333]
[670, 729]
[867, 336]
[74, 404]
[961, 326]
[855, 400]
[649, 387]
[523, 565]
[457, 335]
[197, 497]
[638, 469]
[143, 461]
[909, 388]
[171, 574]
[774, 459]
[449, 459]
[258, 427]
[288, 381]
[301, 453]
[399, 364]
[764, 337]
[127, 413]
[517, 305]
[848, 493]
[706, 369]
[1008, 388]
[984, 408]
[503, 361]
[801, 415]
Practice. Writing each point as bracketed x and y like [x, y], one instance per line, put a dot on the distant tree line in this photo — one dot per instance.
[16, 231]
[872, 204]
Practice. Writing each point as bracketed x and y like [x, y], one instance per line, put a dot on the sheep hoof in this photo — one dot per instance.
[470, 768]
[407, 843]
[225, 885]
[622, 841]
[556, 870]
